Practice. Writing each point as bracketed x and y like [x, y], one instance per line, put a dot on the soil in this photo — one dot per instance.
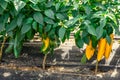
[63, 65]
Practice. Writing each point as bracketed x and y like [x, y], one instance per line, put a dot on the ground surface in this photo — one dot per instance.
[64, 65]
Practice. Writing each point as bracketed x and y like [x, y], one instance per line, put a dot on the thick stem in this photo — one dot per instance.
[44, 62]
[96, 67]
[2, 46]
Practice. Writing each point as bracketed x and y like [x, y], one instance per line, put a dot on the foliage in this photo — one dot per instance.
[93, 20]
[54, 20]
[21, 19]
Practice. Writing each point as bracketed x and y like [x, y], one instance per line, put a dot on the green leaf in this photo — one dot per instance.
[11, 26]
[16, 52]
[86, 39]
[20, 19]
[34, 25]
[6, 17]
[72, 21]
[49, 13]
[79, 42]
[3, 4]
[40, 29]
[68, 32]
[48, 20]
[35, 7]
[75, 13]
[91, 30]
[38, 17]
[1, 10]
[17, 44]
[29, 20]
[112, 17]
[84, 59]
[108, 39]
[30, 34]
[57, 6]
[102, 22]
[10, 33]
[60, 16]
[49, 4]
[62, 32]
[99, 31]
[51, 33]
[34, 1]
[48, 28]
[87, 10]
[65, 8]
[10, 47]
[19, 4]
[97, 14]
[1, 26]
[25, 28]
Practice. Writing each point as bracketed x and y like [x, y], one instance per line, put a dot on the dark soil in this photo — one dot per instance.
[29, 66]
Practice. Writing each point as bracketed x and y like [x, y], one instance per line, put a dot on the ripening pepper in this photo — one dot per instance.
[46, 44]
[109, 47]
[101, 48]
[89, 50]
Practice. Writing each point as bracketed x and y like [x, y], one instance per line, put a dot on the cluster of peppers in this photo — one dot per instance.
[104, 48]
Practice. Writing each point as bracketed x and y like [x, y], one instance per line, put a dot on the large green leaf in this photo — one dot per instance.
[73, 21]
[49, 13]
[34, 25]
[48, 28]
[60, 16]
[20, 19]
[35, 7]
[17, 44]
[3, 4]
[102, 22]
[112, 17]
[57, 6]
[48, 20]
[25, 28]
[19, 4]
[1, 10]
[40, 29]
[49, 4]
[29, 20]
[38, 17]
[6, 17]
[99, 31]
[11, 26]
[62, 32]
[78, 40]
[90, 28]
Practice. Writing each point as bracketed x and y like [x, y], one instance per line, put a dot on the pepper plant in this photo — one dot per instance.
[21, 19]
[95, 21]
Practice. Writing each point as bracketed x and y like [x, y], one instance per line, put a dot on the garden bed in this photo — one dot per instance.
[63, 65]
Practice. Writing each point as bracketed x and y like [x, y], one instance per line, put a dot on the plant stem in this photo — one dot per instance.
[96, 67]
[2, 46]
[44, 62]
